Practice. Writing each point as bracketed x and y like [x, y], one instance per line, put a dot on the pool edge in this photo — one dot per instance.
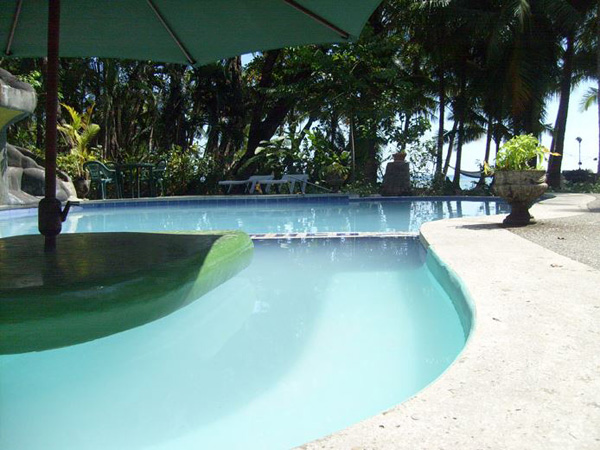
[526, 378]
[456, 290]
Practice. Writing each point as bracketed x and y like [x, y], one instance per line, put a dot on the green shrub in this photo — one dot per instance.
[582, 188]
[361, 188]
[188, 172]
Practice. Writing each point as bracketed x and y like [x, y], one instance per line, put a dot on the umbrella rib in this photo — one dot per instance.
[13, 27]
[318, 18]
[171, 32]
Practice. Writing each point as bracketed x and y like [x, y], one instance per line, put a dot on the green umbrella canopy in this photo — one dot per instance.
[178, 31]
[165, 30]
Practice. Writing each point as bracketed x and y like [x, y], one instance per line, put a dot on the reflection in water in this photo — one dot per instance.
[313, 336]
[385, 216]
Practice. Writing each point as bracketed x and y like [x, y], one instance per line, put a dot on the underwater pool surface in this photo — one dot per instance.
[314, 336]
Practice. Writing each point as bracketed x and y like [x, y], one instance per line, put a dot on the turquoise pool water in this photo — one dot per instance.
[271, 218]
[314, 336]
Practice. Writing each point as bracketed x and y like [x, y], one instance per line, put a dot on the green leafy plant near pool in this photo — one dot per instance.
[519, 177]
[522, 152]
[337, 171]
[78, 133]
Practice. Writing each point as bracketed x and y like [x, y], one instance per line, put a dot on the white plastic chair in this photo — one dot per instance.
[290, 180]
[250, 183]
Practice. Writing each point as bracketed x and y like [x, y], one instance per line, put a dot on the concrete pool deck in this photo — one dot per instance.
[529, 376]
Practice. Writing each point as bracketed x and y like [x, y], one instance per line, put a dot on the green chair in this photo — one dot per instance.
[158, 175]
[101, 176]
[154, 178]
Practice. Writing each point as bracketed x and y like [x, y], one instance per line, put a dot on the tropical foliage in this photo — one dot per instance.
[470, 69]
[521, 153]
[78, 133]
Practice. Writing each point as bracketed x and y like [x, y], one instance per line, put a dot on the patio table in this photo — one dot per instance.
[134, 170]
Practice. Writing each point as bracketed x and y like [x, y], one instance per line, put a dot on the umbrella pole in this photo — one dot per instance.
[49, 209]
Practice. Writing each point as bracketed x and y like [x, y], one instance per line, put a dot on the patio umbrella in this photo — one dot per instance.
[190, 32]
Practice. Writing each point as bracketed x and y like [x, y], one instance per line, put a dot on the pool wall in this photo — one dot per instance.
[455, 288]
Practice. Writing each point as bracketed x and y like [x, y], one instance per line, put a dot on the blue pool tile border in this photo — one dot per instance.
[334, 235]
[427, 198]
[216, 201]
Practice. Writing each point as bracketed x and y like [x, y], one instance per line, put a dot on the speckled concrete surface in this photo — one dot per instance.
[529, 377]
[577, 237]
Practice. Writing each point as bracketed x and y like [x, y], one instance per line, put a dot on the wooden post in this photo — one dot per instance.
[49, 210]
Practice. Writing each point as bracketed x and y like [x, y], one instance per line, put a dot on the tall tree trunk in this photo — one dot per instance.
[334, 129]
[450, 148]
[352, 147]
[305, 129]
[232, 134]
[461, 104]
[498, 142]
[256, 132]
[488, 147]
[442, 118]
[174, 111]
[366, 149]
[558, 139]
[265, 122]
[598, 76]
[405, 131]
[459, 146]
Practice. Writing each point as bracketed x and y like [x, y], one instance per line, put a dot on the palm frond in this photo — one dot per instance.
[589, 99]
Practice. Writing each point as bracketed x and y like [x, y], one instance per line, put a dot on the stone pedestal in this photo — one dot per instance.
[519, 188]
[396, 180]
[17, 101]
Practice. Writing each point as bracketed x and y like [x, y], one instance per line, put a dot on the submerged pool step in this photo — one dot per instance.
[333, 235]
[98, 284]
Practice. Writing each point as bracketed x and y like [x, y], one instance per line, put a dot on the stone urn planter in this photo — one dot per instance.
[519, 188]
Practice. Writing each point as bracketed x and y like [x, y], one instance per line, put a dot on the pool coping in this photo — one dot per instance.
[528, 376]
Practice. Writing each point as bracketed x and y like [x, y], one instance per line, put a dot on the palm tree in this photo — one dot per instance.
[569, 17]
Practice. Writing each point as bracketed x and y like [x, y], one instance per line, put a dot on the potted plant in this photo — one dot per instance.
[78, 135]
[335, 174]
[334, 169]
[519, 177]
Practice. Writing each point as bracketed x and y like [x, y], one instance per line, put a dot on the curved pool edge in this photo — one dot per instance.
[456, 290]
[527, 377]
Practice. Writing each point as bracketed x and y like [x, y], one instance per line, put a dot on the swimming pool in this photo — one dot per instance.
[314, 336]
[262, 217]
